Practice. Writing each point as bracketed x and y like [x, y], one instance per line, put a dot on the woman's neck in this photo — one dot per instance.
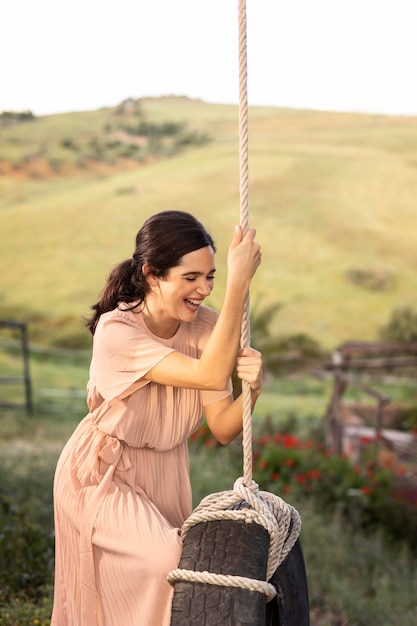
[160, 328]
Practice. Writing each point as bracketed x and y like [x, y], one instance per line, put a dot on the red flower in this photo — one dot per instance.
[275, 476]
[289, 462]
[263, 464]
[399, 494]
[301, 479]
[290, 441]
[387, 461]
[366, 490]
[314, 474]
[264, 440]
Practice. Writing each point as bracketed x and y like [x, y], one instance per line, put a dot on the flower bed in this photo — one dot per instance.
[378, 492]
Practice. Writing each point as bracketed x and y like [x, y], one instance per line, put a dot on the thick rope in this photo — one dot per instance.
[223, 580]
[244, 222]
[280, 519]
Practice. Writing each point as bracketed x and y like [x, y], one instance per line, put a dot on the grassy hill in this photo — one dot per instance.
[333, 196]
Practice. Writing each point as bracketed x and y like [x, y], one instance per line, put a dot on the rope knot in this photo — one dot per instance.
[242, 489]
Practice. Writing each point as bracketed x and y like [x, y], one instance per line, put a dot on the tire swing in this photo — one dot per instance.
[242, 562]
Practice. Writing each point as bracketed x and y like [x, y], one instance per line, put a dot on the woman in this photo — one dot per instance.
[122, 488]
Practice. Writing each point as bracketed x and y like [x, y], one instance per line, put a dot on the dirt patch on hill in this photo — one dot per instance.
[44, 169]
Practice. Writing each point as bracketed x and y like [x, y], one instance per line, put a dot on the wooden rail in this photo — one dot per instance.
[360, 357]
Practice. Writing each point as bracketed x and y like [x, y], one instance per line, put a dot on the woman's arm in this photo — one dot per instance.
[224, 418]
[212, 370]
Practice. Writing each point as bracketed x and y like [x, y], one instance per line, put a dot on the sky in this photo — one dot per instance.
[335, 55]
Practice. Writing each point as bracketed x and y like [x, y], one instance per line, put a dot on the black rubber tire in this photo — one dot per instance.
[237, 548]
[223, 547]
[291, 605]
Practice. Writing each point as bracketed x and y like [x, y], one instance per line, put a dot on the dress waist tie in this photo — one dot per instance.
[115, 454]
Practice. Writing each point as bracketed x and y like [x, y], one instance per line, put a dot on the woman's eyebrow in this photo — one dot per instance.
[199, 273]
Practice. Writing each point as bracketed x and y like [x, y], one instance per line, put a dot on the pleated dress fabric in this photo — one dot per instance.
[122, 488]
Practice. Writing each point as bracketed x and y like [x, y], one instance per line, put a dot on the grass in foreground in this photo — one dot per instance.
[353, 580]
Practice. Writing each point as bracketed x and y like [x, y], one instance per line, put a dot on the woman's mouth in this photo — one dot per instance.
[192, 304]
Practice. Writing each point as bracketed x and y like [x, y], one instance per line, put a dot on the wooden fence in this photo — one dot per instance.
[347, 424]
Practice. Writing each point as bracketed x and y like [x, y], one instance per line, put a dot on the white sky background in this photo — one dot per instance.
[350, 55]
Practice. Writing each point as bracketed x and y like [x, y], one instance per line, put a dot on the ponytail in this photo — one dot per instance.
[126, 283]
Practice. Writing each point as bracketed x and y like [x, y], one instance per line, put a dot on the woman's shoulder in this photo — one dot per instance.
[123, 314]
[124, 311]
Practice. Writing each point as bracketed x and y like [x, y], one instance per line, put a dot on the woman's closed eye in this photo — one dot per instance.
[193, 279]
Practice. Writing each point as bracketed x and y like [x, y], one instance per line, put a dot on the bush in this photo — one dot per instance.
[8, 118]
[375, 495]
[55, 164]
[21, 612]
[372, 279]
[26, 553]
[69, 144]
[402, 325]
[192, 138]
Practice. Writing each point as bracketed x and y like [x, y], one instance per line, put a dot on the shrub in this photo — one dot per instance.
[402, 325]
[26, 552]
[55, 164]
[69, 144]
[9, 118]
[192, 138]
[376, 495]
[380, 494]
[22, 612]
[372, 279]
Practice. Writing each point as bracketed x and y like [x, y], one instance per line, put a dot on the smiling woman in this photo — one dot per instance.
[178, 296]
[160, 358]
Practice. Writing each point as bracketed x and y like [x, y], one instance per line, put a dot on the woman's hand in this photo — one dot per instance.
[244, 257]
[249, 368]
[224, 418]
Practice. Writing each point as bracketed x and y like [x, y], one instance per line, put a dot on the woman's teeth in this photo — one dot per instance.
[195, 303]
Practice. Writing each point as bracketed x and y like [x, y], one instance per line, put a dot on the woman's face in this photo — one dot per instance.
[178, 296]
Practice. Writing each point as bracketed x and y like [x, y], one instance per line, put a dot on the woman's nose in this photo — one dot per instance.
[204, 287]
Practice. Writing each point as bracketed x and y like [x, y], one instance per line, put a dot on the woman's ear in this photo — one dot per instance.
[150, 278]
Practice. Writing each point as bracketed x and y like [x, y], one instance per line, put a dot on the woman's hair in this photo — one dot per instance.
[160, 244]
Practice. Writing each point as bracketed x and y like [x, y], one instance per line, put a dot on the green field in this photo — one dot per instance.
[332, 196]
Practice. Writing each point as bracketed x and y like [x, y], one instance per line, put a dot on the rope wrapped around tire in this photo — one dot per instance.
[235, 548]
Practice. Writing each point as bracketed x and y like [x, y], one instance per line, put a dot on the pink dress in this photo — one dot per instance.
[122, 488]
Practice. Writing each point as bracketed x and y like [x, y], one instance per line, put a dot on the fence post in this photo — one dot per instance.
[26, 380]
[26, 370]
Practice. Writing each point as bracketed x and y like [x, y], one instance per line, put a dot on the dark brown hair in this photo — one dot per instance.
[161, 242]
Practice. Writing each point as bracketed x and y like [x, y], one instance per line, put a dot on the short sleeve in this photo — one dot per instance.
[122, 355]
[210, 397]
